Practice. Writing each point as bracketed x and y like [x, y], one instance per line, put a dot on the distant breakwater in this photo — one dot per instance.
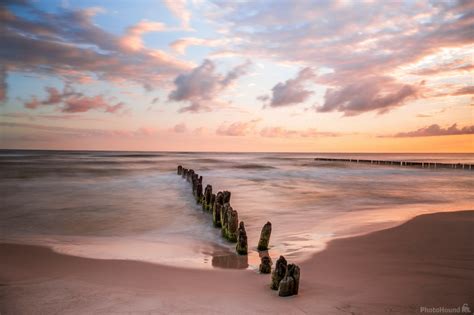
[432, 165]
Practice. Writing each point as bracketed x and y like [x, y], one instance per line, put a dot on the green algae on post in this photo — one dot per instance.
[265, 236]
[265, 265]
[279, 272]
[289, 285]
[241, 246]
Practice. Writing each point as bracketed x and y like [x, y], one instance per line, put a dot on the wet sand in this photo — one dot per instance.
[427, 261]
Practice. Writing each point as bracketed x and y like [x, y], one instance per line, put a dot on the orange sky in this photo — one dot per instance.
[196, 75]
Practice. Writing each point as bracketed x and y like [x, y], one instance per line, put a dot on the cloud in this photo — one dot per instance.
[355, 41]
[281, 132]
[203, 84]
[133, 37]
[182, 44]
[70, 101]
[180, 128]
[85, 103]
[292, 91]
[467, 90]
[457, 65]
[179, 9]
[376, 93]
[239, 128]
[436, 130]
[70, 45]
[3, 84]
[82, 132]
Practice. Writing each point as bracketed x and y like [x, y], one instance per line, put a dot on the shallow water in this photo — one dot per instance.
[132, 205]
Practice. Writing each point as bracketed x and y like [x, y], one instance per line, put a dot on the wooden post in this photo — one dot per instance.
[289, 285]
[265, 236]
[265, 265]
[217, 209]
[279, 272]
[241, 246]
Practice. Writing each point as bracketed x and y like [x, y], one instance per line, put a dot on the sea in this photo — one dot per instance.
[133, 205]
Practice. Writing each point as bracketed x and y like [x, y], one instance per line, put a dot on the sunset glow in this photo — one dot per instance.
[179, 75]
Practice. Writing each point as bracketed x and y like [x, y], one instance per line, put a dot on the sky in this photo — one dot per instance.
[276, 76]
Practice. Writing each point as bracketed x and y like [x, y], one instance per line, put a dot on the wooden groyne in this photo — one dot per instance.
[433, 165]
[285, 278]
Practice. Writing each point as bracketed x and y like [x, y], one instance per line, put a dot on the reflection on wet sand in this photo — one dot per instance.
[228, 260]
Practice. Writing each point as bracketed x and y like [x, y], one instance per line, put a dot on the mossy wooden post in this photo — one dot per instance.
[217, 209]
[211, 203]
[265, 236]
[286, 286]
[295, 272]
[279, 272]
[198, 192]
[190, 175]
[207, 198]
[265, 265]
[241, 246]
[225, 219]
[226, 196]
[180, 170]
[194, 183]
[289, 285]
[232, 225]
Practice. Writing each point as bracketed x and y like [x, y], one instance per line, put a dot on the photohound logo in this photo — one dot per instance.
[463, 309]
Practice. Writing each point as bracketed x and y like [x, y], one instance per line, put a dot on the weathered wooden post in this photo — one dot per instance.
[224, 218]
[226, 196]
[180, 169]
[265, 265]
[265, 236]
[232, 225]
[289, 285]
[206, 204]
[211, 203]
[241, 246]
[194, 183]
[185, 173]
[279, 272]
[217, 209]
[189, 175]
[198, 192]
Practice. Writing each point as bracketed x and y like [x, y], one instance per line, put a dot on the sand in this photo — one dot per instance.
[425, 262]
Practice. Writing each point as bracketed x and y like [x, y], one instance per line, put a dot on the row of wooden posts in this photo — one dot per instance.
[464, 166]
[285, 277]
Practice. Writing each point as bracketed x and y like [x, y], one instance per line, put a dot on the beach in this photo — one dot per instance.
[425, 262]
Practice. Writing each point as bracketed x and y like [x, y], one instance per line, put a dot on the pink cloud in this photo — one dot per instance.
[351, 41]
[467, 90]
[3, 84]
[180, 128]
[55, 43]
[292, 91]
[281, 132]
[436, 130]
[375, 93]
[179, 9]
[84, 103]
[203, 84]
[70, 101]
[240, 128]
[133, 37]
[32, 104]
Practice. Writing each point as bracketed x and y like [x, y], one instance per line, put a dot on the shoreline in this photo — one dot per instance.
[424, 262]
